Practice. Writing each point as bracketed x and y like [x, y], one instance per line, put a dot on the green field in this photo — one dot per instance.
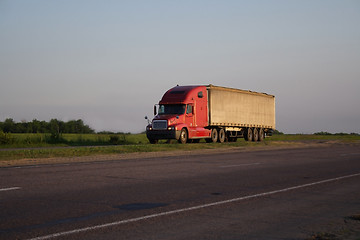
[24, 140]
[31, 146]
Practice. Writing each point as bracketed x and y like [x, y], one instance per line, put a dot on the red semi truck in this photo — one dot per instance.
[213, 113]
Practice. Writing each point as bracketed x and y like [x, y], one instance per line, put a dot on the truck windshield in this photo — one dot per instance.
[172, 109]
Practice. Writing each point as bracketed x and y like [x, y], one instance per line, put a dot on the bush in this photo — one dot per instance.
[116, 139]
[277, 132]
[5, 138]
[322, 133]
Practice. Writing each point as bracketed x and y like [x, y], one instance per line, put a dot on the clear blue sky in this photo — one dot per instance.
[109, 62]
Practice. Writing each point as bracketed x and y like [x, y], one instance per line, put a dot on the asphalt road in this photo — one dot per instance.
[273, 194]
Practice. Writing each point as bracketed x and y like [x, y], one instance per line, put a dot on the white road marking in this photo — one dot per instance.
[191, 208]
[240, 165]
[9, 189]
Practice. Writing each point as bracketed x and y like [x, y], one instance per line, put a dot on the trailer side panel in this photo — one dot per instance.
[239, 108]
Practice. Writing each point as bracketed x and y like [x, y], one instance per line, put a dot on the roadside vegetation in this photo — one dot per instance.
[316, 136]
[40, 139]
[54, 126]
[346, 228]
[31, 146]
[34, 140]
[57, 133]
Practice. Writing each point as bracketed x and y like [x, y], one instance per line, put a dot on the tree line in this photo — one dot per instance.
[54, 126]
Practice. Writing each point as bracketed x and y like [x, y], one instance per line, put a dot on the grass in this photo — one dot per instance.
[103, 150]
[37, 145]
[355, 217]
[312, 137]
[28, 140]
[347, 228]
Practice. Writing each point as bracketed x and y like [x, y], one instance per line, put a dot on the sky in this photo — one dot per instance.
[108, 62]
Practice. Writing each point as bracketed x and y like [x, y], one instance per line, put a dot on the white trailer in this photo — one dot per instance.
[241, 113]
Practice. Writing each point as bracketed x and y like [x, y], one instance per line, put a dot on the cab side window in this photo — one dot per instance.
[189, 109]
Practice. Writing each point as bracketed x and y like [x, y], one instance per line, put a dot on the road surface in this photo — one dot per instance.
[272, 194]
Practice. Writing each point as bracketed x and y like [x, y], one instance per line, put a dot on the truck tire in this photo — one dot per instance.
[248, 134]
[255, 135]
[261, 135]
[214, 135]
[221, 135]
[183, 136]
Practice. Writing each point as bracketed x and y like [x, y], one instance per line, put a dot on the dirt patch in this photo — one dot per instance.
[347, 228]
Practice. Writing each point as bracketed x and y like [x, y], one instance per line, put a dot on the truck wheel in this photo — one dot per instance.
[214, 135]
[255, 135]
[248, 134]
[183, 136]
[221, 135]
[261, 135]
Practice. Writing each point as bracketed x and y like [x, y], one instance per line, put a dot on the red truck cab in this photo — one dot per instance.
[182, 115]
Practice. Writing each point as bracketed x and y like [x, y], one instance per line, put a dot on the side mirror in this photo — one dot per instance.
[155, 110]
[148, 120]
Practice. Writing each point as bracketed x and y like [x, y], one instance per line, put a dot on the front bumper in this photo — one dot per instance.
[162, 134]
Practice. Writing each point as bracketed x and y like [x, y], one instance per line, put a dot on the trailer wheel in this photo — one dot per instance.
[221, 135]
[248, 134]
[214, 135]
[183, 136]
[255, 135]
[261, 135]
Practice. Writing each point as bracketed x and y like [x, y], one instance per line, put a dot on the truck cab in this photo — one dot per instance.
[182, 114]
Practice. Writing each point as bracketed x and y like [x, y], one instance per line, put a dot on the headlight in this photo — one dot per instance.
[171, 128]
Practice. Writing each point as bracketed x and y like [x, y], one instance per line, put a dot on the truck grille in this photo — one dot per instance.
[159, 124]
